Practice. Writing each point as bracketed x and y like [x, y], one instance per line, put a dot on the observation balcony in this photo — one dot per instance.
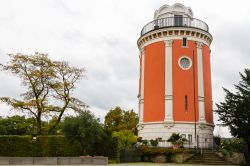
[178, 21]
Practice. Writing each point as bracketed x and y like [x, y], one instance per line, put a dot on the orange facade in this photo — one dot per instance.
[184, 82]
[207, 84]
[154, 82]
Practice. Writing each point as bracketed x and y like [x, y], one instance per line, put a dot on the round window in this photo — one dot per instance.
[185, 63]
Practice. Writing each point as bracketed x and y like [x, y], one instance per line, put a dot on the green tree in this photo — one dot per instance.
[49, 87]
[85, 129]
[235, 110]
[126, 138]
[118, 119]
[16, 125]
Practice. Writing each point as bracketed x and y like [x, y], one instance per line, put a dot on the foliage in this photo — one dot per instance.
[139, 139]
[234, 111]
[43, 146]
[176, 138]
[154, 142]
[56, 146]
[90, 135]
[151, 151]
[130, 155]
[145, 142]
[16, 125]
[217, 140]
[49, 87]
[108, 146]
[85, 129]
[126, 138]
[118, 119]
[232, 145]
[51, 146]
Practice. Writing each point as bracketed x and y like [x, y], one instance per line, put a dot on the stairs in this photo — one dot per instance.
[208, 157]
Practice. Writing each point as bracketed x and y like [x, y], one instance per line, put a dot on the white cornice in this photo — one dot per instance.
[173, 33]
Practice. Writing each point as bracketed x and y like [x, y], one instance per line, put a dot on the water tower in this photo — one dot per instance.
[175, 94]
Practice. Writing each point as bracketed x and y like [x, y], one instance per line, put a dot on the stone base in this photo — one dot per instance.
[88, 160]
[154, 130]
[159, 159]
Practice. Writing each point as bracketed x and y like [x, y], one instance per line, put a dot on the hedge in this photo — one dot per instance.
[48, 146]
[148, 152]
[151, 151]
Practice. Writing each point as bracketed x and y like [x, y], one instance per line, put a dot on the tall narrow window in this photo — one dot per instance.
[186, 103]
[184, 42]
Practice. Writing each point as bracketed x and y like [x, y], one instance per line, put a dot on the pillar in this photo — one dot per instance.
[200, 83]
[168, 82]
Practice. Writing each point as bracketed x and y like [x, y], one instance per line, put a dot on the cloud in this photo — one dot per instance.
[101, 36]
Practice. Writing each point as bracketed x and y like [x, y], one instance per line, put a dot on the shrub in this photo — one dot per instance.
[16, 146]
[154, 143]
[148, 152]
[145, 142]
[84, 129]
[139, 139]
[225, 152]
[126, 138]
[130, 155]
[232, 145]
[57, 146]
[176, 138]
[151, 151]
[217, 140]
[50, 146]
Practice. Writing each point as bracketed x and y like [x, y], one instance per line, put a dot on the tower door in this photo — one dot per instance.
[178, 20]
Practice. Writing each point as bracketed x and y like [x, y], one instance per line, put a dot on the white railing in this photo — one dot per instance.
[174, 22]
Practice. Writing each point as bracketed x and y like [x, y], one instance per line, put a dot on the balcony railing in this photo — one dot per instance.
[174, 22]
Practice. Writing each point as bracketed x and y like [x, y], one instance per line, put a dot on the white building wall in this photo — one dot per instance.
[160, 130]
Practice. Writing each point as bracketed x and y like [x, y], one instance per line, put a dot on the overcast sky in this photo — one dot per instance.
[101, 36]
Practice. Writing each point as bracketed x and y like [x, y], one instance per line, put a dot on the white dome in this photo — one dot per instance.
[176, 9]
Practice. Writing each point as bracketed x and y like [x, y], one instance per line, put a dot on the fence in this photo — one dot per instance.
[174, 22]
[203, 141]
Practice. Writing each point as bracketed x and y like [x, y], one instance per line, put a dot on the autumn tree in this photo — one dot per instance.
[49, 87]
[235, 110]
[118, 119]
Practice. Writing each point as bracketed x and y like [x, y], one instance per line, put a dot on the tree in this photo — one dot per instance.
[49, 87]
[16, 125]
[126, 138]
[85, 129]
[235, 110]
[118, 119]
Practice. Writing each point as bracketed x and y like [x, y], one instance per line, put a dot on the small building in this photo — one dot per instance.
[175, 94]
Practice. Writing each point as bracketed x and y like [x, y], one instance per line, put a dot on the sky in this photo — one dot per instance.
[101, 36]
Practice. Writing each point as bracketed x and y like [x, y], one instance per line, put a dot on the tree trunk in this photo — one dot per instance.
[56, 123]
[247, 151]
[247, 155]
[39, 124]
